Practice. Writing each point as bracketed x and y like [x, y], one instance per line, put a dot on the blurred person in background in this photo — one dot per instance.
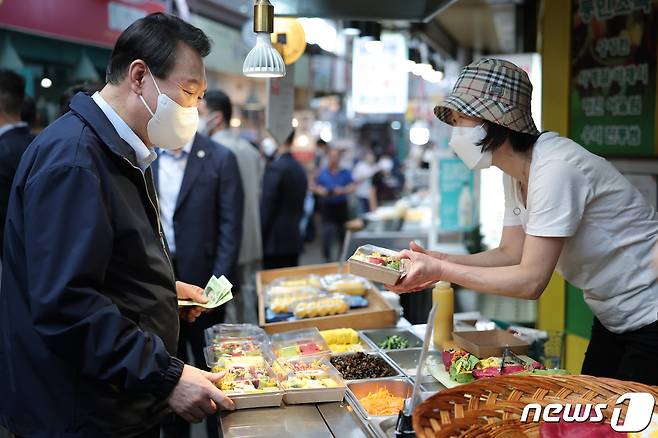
[362, 173]
[386, 185]
[14, 136]
[30, 115]
[67, 95]
[215, 113]
[332, 186]
[88, 314]
[268, 148]
[282, 208]
[200, 197]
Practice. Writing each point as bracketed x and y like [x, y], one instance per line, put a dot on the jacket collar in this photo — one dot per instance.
[83, 105]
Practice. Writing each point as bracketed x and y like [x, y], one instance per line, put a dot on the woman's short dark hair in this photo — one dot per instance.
[497, 134]
[154, 40]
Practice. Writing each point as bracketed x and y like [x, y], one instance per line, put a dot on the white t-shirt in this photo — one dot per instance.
[362, 174]
[610, 229]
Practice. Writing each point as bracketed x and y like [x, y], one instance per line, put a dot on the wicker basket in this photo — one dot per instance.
[493, 407]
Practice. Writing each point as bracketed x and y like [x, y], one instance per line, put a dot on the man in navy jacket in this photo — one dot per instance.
[88, 311]
[201, 203]
[14, 135]
[284, 190]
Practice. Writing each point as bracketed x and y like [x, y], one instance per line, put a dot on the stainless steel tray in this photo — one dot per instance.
[377, 336]
[407, 361]
[400, 386]
[394, 367]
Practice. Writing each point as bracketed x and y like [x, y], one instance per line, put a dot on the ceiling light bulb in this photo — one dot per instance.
[264, 61]
[295, 123]
[46, 82]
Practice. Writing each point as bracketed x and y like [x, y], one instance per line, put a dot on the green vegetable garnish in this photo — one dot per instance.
[394, 264]
[394, 342]
[461, 370]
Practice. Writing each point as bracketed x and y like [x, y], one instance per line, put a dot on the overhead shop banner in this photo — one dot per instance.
[380, 80]
[613, 84]
[91, 22]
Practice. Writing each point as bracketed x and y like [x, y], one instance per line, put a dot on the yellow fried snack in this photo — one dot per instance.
[340, 336]
[347, 287]
[320, 307]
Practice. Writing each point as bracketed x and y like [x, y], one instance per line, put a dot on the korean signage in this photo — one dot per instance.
[456, 196]
[380, 80]
[613, 84]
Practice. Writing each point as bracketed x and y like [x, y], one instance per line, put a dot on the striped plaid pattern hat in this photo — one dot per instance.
[493, 90]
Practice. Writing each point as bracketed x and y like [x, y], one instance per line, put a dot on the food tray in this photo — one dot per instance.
[361, 344]
[239, 348]
[399, 387]
[483, 344]
[245, 400]
[347, 284]
[378, 313]
[283, 344]
[395, 372]
[377, 336]
[294, 396]
[372, 272]
[222, 332]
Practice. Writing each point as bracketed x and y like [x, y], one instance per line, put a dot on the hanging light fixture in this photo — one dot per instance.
[351, 28]
[263, 61]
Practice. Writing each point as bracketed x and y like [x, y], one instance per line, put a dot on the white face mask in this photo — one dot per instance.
[386, 164]
[171, 126]
[269, 147]
[205, 124]
[464, 141]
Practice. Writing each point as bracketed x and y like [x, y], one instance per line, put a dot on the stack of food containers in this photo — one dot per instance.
[242, 352]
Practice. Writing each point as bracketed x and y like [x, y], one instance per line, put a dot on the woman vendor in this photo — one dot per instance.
[566, 210]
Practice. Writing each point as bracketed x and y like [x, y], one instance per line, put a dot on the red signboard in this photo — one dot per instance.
[97, 22]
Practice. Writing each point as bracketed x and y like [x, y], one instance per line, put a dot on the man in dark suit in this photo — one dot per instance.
[201, 201]
[14, 136]
[284, 190]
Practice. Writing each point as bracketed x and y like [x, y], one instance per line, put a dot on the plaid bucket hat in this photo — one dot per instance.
[493, 90]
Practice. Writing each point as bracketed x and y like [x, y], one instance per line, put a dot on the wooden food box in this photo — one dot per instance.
[378, 314]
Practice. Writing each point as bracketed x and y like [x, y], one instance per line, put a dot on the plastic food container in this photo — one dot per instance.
[280, 301]
[373, 263]
[313, 387]
[251, 386]
[322, 305]
[299, 343]
[283, 284]
[228, 332]
[238, 348]
[489, 343]
[347, 284]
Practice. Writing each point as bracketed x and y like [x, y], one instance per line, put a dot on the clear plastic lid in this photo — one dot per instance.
[227, 332]
[283, 367]
[252, 379]
[283, 283]
[326, 305]
[281, 299]
[297, 343]
[378, 256]
[234, 348]
[312, 380]
[347, 284]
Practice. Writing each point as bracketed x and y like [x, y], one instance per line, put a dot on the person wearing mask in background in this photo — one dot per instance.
[268, 147]
[566, 209]
[88, 314]
[362, 173]
[14, 136]
[201, 199]
[216, 111]
[67, 95]
[386, 185]
[282, 208]
[332, 186]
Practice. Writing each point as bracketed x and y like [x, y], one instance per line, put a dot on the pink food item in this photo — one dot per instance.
[376, 261]
[309, 348]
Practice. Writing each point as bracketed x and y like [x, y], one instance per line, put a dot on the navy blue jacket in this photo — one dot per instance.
[284, 189]
[88, 312]
[12, 145]
[208, 215]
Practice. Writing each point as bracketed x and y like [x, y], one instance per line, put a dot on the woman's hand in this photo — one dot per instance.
[185, 291]
[421, 271]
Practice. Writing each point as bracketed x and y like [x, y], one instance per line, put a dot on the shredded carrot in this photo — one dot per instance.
[382, 402]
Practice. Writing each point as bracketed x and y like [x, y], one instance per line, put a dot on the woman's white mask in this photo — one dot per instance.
[465, 143]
